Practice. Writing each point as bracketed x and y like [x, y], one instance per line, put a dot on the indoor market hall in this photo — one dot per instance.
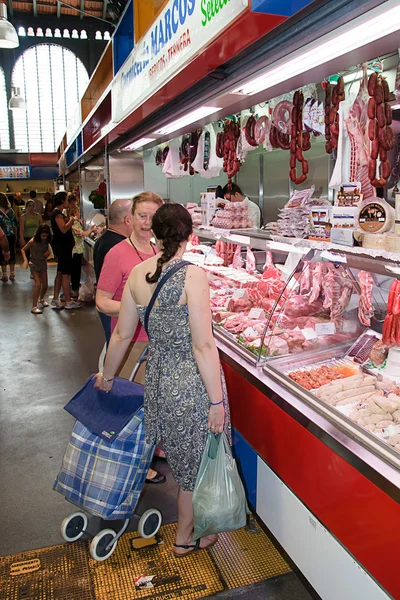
[199, 299]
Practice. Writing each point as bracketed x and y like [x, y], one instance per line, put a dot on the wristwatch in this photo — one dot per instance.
[107, 379]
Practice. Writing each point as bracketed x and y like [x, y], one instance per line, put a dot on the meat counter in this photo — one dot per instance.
[314, 407]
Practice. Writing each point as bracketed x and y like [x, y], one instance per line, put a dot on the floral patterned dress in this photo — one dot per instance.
[176, 401]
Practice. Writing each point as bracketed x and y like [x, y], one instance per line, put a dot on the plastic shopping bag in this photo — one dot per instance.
[219, 501]
[87, 291]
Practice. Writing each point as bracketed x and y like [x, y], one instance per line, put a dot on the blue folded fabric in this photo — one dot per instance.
[106, 414]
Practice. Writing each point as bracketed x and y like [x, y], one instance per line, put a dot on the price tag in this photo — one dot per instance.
[325, 329]
[256, 313]
[242, 293]
[251, 333]
[309, 333]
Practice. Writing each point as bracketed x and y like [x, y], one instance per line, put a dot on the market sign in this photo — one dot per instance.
[179, 33]
[15, 172]
[285, 8]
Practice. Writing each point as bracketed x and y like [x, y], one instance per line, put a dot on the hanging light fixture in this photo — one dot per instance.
[8, 34]
[16, 101]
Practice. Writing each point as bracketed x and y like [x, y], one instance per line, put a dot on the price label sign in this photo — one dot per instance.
[256, 313]
[325, 329]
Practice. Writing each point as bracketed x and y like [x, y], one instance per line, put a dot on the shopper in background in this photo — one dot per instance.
[38, 203]
[63, 243]
[183, 391]
[40, 248]
[77, 253]
[28, 224]
[8, 223]
[235, 194]
[119, 228]
[4, 247]
[48, 209]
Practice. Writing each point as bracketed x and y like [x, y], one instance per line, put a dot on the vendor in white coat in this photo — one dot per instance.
[235, 194]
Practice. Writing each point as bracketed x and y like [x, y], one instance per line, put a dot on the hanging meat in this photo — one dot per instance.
[279, 134]
[226, 148]
[333, 97]
[391, 326]
[379, 131]
[299, 142]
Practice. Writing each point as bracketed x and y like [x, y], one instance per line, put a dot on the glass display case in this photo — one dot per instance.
[325, 323]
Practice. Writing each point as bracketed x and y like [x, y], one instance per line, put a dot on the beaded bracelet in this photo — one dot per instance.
[216, 403]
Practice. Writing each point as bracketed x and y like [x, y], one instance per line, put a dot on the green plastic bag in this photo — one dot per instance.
[219, 501]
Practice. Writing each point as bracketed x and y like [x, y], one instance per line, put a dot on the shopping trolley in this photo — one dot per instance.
[105, 479]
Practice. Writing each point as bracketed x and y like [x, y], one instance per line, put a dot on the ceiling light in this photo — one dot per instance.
[8, 34]
[16, 101]
[139, 144]
[369, 27]
[199, 113]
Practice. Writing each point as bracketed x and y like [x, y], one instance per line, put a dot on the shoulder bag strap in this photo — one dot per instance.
[161, 283]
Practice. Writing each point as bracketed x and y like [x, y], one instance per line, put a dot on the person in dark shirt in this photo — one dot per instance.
[63, 243]
[119, 227]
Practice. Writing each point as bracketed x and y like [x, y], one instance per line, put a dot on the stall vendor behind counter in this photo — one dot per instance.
[235, 194]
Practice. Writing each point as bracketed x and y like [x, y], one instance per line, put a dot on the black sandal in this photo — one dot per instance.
[189, 547]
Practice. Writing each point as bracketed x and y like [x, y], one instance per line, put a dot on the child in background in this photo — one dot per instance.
[39, 246]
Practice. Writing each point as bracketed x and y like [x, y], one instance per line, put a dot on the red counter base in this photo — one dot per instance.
[361, 516]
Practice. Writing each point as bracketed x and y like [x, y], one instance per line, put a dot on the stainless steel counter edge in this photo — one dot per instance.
[89, 241]
[383, 475]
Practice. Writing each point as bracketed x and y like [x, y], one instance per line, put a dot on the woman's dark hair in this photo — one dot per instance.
[48, 209]
[59, 198]
[11, 200]
[172, 225]
[4, 203]
[42, 229]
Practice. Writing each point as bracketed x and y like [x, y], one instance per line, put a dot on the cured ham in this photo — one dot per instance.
[365, 310]
[250, 261]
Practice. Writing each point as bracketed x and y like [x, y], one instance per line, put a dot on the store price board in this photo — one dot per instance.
[20, 172]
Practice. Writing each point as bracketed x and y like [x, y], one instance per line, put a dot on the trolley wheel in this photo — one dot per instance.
[149, 523]
[74, 526]
[98, 545]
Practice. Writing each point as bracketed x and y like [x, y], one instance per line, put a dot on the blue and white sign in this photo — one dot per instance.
[180, 32]
[284, 8]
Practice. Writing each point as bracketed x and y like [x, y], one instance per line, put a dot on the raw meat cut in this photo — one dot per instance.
[305, 279]
[328, 287]
[277, 346]
[239, 304]
[250, 261]
[237, 262]
[317, 276]
[300, 306]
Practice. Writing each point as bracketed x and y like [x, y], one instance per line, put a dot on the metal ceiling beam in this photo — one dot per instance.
[10, 8]
[58, 9]
[105, 2]
[34, 9]
[82, 8]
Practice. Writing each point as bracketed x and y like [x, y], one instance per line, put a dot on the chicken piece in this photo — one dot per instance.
[394, 398]
[396, 416]
[394, 439]
[371, 427]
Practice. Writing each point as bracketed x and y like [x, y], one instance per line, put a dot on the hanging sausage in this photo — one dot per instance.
[379, 131]
[300, 141]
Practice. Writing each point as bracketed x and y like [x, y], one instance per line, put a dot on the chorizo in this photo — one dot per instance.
[294, 115]
[332, 114]
[304, 167]
[328, 93]
[296, 98]
[371, 108]
[299, 155]
[340, 86]
[334, 95]
[372, 81]
[293, 174]
[371, 168]
[375, 149]
[378, 182]
[373, 129]
[328, 147]
[382, 136]
[385, 169]
[300, 179]
[388, 114]
[292, 161]
[381, 115]
[386, 90]
[379, 92]
[389, 138]
[293, 145]
[294, 130]
[382, 154]
[249, 131]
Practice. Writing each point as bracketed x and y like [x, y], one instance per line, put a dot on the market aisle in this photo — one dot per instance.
[45, 358]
